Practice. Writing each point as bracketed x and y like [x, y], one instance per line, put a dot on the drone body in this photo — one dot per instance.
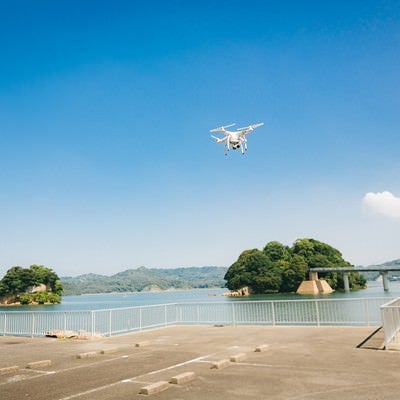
[236, 139]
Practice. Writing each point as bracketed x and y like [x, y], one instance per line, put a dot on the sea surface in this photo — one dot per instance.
[120, 300]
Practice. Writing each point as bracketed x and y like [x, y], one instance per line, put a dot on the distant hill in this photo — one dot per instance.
[144, 279]
[393, 263]
[393, 275]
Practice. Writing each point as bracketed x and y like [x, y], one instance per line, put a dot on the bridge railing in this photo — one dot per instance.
[108, 322]
[390, 314]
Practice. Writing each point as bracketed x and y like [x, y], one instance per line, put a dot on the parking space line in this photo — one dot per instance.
[135, 379]
[40, 373]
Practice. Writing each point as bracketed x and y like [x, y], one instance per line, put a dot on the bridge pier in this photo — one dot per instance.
[314, 285]
[385, 280]
[346, 281]
[313, 276]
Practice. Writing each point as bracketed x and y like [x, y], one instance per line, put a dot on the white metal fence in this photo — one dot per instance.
[390, 314]
[328, 312]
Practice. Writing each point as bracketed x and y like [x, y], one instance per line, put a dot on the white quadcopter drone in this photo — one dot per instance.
[237, 139]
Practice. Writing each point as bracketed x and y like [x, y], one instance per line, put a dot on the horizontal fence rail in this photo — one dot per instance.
[108, 322]
[390, 314]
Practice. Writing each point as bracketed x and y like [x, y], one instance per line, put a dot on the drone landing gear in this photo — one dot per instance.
[226, 148]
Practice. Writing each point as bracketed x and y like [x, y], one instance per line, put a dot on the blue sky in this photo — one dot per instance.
[106, 160]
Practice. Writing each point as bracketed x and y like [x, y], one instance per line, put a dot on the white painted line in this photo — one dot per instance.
[41, 373]
[73, 396]
[198, 359]
[260, 365]
[289, 366]
[133, 379]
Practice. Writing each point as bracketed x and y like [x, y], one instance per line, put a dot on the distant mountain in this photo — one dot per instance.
[393, 263]
[143, 279]
[395, 275]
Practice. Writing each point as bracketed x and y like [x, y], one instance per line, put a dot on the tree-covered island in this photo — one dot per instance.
[34, 285]
[274, 269]
[280, 269]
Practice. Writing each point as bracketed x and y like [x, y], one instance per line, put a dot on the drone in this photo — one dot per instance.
[237, 138]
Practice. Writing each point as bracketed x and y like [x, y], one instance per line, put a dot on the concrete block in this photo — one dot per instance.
[308, 287]
[89, 354]
[153, 388]
[109, 351]
[221, 364]
[324, 287]
[39, 364]
[182, 378]
[261, 348]
[9, 370]
[238, 357]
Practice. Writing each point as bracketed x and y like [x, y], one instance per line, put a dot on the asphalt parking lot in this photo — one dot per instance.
[208, 362]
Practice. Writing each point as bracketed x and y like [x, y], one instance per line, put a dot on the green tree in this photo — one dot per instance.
[294, 271]
[19, 280]
[238, 274]
[16, 281]
[293, 268]
[318, 254]
[255, 270]
[282, 268]
[277, 251]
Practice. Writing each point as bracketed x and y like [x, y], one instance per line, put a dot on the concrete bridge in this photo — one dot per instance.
[346, 270]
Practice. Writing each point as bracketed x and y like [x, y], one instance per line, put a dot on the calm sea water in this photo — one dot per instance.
[119, 300]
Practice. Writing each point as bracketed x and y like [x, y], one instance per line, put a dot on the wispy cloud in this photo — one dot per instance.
[383, 203]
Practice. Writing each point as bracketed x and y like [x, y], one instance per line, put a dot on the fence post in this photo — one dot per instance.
[165, 315]
[92, 322]
[366, 311]
[65, 322]
[317, 311]
[110, 323]
[273, 313]
[33, 325]
[233, 314]
[140, 318]
[5, 325]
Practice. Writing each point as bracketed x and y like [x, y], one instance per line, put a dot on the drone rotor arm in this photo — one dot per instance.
[250, 127]
[221, 128]
[220, 140]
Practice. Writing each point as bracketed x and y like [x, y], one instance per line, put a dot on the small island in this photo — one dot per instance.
[281, 269]
[30, 286]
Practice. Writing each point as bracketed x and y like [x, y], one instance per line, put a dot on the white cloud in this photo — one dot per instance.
[383, 203]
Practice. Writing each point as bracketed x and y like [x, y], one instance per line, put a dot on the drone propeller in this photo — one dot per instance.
[221, 128]
[254, 126]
